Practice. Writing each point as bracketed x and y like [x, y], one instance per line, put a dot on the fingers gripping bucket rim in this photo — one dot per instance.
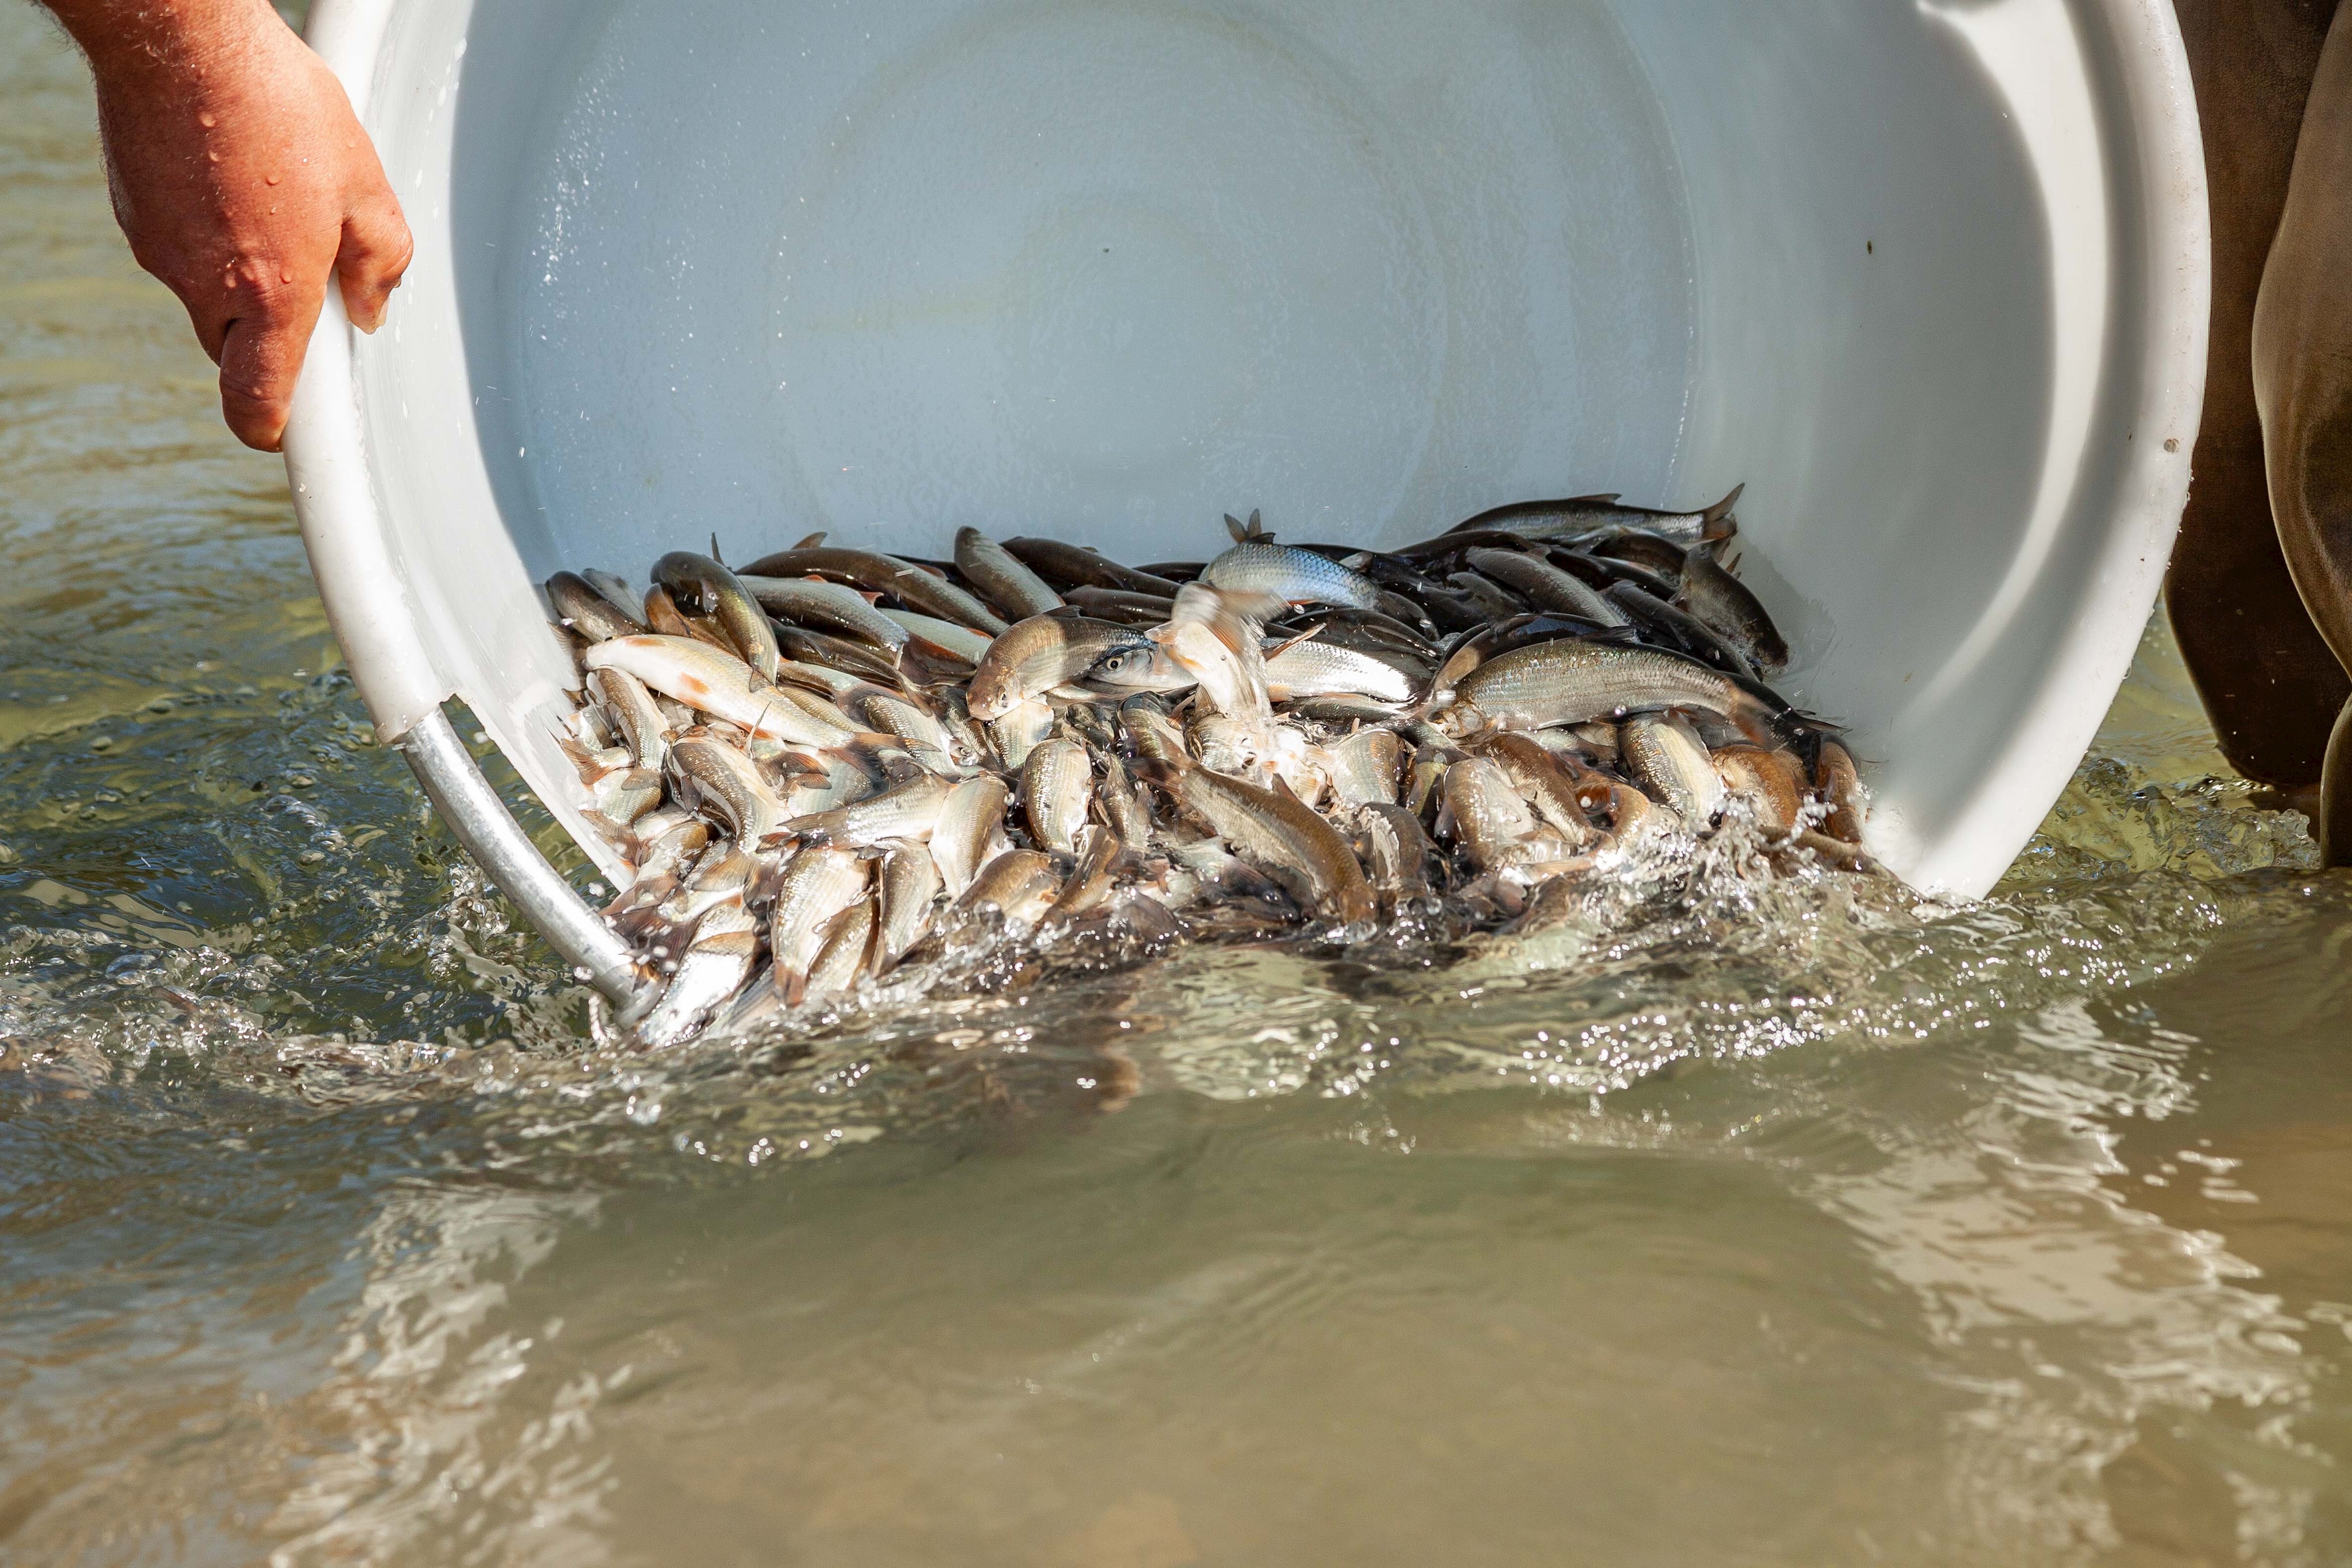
[2096, 93]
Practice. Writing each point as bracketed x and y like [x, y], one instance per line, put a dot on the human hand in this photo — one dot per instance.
[242, 179]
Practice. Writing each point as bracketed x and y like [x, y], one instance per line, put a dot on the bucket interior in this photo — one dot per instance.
[1107, 271]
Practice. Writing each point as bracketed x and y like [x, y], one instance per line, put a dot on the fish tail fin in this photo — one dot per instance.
[1239, 529]
[1717, 522]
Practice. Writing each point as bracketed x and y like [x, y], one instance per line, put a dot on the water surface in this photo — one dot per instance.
[1820, 1226]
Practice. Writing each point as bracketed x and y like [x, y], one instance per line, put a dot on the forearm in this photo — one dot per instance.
[139, 42]
[243, 182]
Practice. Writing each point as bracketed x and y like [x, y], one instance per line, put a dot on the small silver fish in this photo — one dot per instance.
[716, 964]
[725, 599]
[1730, 608]
[1057, 784]
[1670, 762]
[842, 954]
[1286, 840]
[1018, 733]
[818, 882]
[1018, 884]
[579, 606]
[1001, 577]
[1368, 767]
[1582, 515]
[1293, 576]
[970, 831]
[909, 811]
[1572, 681]
[1309, 667]
[1039, 654]
[828, 604]
[729, 784]
[910, 887]
[1546, 586]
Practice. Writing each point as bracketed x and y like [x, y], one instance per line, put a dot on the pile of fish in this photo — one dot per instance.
[832, 761]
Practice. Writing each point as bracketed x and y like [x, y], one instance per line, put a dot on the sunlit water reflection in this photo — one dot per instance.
[1819, 1224]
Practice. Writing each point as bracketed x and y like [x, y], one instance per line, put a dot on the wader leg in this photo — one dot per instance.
[2333, 824]
[2302, 388]
[2268, 682]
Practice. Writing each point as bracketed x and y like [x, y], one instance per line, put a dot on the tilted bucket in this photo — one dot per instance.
[1929, 278]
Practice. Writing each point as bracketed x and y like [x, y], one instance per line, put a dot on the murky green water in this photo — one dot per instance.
[1836, 1228]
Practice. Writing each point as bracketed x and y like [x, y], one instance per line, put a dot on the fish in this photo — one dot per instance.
[715, 683]
[908, 810]
[1018, 731]
[1544, 585]
[943, 636]
[1067, 565]
[846, 940]
[1490, 599]
[818, 882]
[1118, 604]
[1644, 548]
[1582, 515]
[910, 887]
[828, 604]
[895, 713]
[1726, 604]
[1037, 656]
[1367, 768]
[923, 591]
[1671, 764]
[1001, 577]
[1293, 576]
[1490, 639]
[1838, 784]
[732, 785]
[617, 592]
[583, 610]
[1274, 831]
[1018, 884]
[664, 618]
[1663, 624]
[841, 655]
[1767, 781]
[1308, 667]
[634, 713]
[1119, 801]
[1496, 826]
[715, 966]
[970, 831]
[1575, 680]
[1091, 883]
[1395, 853]
[1144, 667]
[1547, 786]
[723, 596]
[1056, 787]
[1215, 636]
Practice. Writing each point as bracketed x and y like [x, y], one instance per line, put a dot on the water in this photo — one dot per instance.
[1842, 1228]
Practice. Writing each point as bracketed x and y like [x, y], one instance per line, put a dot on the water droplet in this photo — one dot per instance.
[271, 180]
[206, 121]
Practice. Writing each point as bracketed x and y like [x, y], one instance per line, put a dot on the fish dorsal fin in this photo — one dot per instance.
[1282, 789]
[1605, 498]
[714, 551]
[1287, 644]
[811, 542]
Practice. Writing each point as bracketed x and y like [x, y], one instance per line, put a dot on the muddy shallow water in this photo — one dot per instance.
[1827, 1225]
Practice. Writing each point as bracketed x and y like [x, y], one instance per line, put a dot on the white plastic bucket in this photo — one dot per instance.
[1930, 278]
